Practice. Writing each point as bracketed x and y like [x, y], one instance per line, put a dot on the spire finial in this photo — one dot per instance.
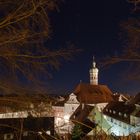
[94, 63]
[93, 58]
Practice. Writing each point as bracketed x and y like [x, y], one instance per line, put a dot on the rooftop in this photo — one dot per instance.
[93, 94]
[119, 110]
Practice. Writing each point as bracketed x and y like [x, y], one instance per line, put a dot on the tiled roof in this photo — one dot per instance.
[81, 113]
[80, 117]
[137, 114]
[119, 111]
[135, 100]
[61, 103]
[121, 97]
[92, 94]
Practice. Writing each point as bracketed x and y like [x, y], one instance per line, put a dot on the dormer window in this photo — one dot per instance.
[120, 114]
[125, 115]
[114, 112]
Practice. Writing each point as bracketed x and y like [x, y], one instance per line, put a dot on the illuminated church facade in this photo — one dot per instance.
[92, 94]
[119, 119]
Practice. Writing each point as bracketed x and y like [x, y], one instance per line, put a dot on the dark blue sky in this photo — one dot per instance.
[94, 27]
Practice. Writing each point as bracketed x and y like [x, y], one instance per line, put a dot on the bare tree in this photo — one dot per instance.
[130, 34]
[24, 25]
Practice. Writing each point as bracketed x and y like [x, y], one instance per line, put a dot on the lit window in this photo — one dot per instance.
[124, 125]
[120, 114]
[120, 124]
[114, 112]
[125, 115]
[110, 111]
[25, 133]
[72, 99]
[8, 136]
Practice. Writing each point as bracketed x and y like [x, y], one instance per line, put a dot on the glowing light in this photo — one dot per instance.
[105, 116]
[59, 121]
[66, 118]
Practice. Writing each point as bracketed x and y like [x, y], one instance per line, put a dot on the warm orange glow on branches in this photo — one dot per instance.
[24, 25]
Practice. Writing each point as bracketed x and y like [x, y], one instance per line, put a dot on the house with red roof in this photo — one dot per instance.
[92, 94]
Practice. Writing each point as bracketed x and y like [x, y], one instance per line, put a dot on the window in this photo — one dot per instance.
[120, 114]
[125, 115]
[72, 108]
[115, 122]
[8, 136]
[106, 110]
[111, 119]
[114, 112]
[124, 125]
[120, 124]
[72, 99]
[110, 111]
[25, 133]
[133, 121]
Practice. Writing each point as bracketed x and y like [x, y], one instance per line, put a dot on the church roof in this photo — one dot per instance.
[93, 94]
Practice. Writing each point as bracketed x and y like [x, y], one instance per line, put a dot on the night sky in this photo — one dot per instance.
[93, 26]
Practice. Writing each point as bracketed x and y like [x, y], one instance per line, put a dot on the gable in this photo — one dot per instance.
[72, 99]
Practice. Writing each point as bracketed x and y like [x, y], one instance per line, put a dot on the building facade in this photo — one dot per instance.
[123, 118]
[92, 94]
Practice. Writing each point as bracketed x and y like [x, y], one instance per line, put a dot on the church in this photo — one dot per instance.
[92, 94]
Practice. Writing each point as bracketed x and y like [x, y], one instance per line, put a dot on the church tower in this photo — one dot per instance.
[94, 74]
